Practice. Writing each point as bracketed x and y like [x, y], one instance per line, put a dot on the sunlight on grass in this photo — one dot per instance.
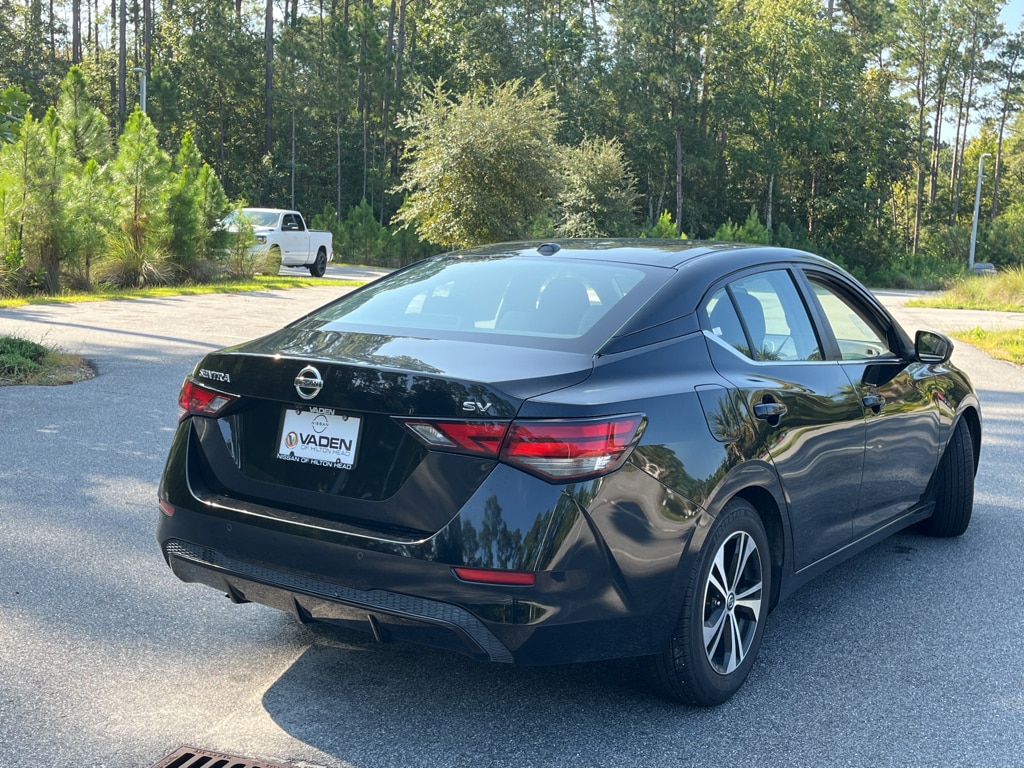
[258, 283]
[1005, 345]
[1003, 291]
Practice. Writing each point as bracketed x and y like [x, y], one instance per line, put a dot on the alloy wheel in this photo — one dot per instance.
[732, 602]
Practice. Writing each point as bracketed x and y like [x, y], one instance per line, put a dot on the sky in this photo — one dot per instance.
[1012, 15]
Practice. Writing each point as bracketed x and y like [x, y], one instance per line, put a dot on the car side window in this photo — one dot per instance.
[858, 338]
[764, 313]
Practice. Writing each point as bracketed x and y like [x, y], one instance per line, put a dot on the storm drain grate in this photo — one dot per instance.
[209, 759]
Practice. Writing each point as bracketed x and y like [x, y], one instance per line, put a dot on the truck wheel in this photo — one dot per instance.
[319, 267]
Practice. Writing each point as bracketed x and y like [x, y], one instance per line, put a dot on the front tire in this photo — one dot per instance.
[319, 267]
[954, 489]
[718, 634]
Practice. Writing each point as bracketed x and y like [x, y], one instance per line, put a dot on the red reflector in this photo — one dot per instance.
[166, 507]
[496, 576]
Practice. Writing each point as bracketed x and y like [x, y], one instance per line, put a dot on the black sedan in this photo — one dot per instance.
[545, 453]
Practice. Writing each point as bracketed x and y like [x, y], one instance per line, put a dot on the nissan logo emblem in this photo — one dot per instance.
[308, 383]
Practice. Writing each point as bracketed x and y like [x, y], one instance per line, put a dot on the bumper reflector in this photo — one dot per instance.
[495, 576]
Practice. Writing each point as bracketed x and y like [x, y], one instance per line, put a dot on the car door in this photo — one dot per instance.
[291, 240]
[809, 418]
[903, 418]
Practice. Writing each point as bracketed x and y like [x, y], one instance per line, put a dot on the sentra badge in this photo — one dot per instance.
[308, 383]
[216, 376]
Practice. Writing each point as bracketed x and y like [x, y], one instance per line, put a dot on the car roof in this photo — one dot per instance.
[653, 252]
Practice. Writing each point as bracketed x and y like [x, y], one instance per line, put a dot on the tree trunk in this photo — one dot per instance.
[76, 31]
[268, 64]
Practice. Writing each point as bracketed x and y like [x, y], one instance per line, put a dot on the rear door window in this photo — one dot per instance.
[763, 317]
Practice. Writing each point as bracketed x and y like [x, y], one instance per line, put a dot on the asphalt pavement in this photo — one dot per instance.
[909, 654]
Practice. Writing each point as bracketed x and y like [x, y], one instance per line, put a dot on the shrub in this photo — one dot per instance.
[19, 357]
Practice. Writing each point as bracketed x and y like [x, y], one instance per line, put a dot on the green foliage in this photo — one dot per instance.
[140, 174]
[83, 128]
[826, 120]
[13, 108]
[598, 193]
[751, 231]
[20, 358]
[664, 228]
[39, 163]
[196, 203]
[361, 235]
[480, 169]
[89, 199]
[243, 258]
[360, 239]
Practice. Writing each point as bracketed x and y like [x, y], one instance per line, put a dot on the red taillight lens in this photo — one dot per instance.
[495, 576]
[572, 449]
[196, 400]
[554, 449]
[480, 438]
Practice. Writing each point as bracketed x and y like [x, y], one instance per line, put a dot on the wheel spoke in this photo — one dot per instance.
[753, 606]
[737, 651]
[743, 547]
[717, 578]
[713, 632]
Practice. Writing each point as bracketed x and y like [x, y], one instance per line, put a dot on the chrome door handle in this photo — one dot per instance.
[770, 410]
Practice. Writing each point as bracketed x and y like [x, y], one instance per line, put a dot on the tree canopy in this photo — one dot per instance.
[854, 128]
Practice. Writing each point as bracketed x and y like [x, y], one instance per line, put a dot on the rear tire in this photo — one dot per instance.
[954, 488]
[718, 634]
[319, 267]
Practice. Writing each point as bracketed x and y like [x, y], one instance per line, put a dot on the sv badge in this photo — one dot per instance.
[476, 407]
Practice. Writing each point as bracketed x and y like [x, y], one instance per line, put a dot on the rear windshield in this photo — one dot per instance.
[521, 298]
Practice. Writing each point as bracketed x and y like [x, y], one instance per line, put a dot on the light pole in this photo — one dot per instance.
[977, 205]
[142, 87]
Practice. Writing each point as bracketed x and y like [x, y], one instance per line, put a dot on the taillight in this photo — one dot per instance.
[572, 449]
[480, 438]
[554, 449]
[196, 400]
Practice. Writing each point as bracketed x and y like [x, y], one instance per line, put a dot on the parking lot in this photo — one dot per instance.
[909, 654]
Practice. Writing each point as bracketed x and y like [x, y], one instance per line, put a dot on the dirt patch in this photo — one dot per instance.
[68, 370]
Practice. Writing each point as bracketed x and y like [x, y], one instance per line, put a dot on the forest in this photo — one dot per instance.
[852, 128]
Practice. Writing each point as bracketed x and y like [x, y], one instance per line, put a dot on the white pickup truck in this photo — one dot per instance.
[285, 231]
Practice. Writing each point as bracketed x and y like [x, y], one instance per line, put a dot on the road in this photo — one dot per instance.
[909, 654]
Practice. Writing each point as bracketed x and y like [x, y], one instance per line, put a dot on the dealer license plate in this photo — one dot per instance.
[319, 436]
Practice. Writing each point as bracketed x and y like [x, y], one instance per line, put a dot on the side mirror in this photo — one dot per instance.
[932, 347]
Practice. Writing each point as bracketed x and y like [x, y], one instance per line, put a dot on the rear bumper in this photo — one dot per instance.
[385, 615]
[570, 615]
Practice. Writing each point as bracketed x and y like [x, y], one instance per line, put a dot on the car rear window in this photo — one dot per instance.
[545, 299]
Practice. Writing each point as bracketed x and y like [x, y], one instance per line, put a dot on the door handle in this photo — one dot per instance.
[769, 410]
[873, 402]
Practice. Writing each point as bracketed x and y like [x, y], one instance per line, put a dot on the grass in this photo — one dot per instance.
[258, 283]
[1005, 345]
[23, 362]
[1002, 291]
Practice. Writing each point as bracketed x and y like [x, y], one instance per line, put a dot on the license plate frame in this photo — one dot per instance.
[319, 436]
